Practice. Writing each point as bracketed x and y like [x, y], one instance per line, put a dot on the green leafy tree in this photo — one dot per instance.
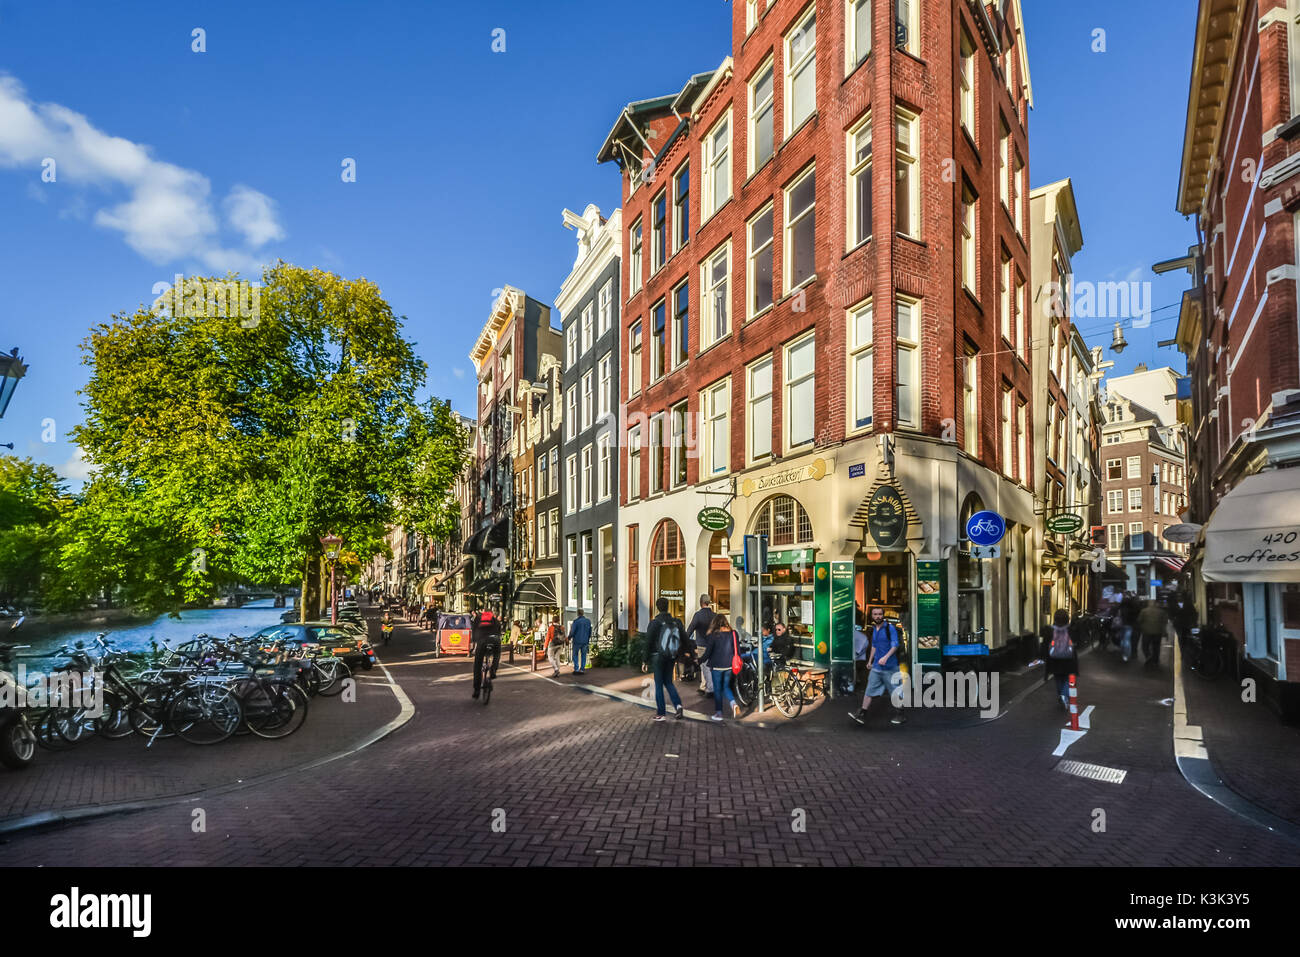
[33, 502]
[233, 444]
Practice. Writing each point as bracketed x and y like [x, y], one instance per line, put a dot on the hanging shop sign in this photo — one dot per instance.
[779, 556]
[986, 528]
[1183, 534]
[886, 517]
[714, 519]
[1066, 523]
[815, 471]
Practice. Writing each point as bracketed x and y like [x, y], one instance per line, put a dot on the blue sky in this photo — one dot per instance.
[175, 161]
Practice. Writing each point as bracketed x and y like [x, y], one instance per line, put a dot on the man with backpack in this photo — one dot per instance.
[664, 638]
[885, 651]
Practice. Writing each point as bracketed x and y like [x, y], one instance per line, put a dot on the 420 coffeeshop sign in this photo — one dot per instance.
[886, 517]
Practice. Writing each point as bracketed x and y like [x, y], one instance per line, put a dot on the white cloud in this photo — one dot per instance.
[77, 468]
[167, 213]
[253, 214]
[458, 372]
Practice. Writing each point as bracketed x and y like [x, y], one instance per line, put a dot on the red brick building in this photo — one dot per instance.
[1238, 328]
[799, 332]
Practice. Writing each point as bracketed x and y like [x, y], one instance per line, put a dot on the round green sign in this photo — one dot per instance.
[714, 519]
[1066, 523]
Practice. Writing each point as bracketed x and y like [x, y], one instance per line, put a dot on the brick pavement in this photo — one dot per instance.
[581, 779]
[101, 772]
[1251, 749]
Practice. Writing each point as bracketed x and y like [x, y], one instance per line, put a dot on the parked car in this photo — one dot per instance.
[452, 636]
[345, 641]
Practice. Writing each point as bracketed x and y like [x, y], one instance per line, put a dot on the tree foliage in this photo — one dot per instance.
[225, 448]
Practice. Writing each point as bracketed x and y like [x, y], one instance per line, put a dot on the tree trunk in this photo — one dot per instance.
[309, 606]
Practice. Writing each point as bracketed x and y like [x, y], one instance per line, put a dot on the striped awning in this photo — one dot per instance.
[1175, 564]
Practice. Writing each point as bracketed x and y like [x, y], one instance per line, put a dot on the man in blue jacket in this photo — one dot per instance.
[580, 635]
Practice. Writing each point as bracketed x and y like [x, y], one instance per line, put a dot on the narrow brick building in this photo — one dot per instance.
[840, 360]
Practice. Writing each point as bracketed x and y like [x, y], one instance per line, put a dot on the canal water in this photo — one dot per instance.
[218, 622]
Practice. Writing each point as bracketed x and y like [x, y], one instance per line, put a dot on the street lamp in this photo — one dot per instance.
[332, 543]
[11, 370]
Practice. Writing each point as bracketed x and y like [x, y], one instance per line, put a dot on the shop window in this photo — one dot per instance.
[668, 567]
[970, 580]
[720, 573]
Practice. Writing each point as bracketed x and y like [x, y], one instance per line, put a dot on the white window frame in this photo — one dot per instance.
[1115, 537]
[1115, 501]
[756, 108]
[967, 79]
[681, 206]
[857, 169]
[606, 366]
[792, 221]
[680, 452]
[606, 306]
[571, 484]
[909, 351]
[1004, 163]
[715, 411]
[636, 247]
[588, 575]
[588, 313]
[861, 356]
[588, 398]
[658, 366]
[604, 472]
[789, 383]
[1051, 430]
[912, 158]
[712, 294]
[659, 233]
[635, 353]
[656, 453]
[971, 408]
[751, 271]
[588, 474]
[1007, 412]
[751, 16]
[1022, 442]
[1133, 467]
[1136, 531]
[1004, 299]
[571, 413]
[853, 57]
[796, 61]
[679, 342]
[969, 239]
[1135, 498]
[555, 474]
[753, 400]
[711, 166]
[1119, 464]
[541, 536]
[571, 555]
[913, 15]
[571, 345]
[634, 463]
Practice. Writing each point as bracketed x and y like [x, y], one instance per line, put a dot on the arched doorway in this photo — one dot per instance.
[668, 569]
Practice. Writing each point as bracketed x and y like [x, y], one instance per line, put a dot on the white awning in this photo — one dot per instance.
[1254, 534]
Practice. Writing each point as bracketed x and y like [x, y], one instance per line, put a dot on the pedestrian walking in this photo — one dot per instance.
[664, 637]
[580, 635]
[720, 647]
[1152, 623]
[886, 643]
[696, 634]
[1058, 651]
[555, 641]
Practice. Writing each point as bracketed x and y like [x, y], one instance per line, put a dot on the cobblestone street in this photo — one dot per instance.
[547, 774]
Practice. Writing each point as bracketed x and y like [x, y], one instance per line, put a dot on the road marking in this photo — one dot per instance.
[1068, 737]
[1085, 719]
[1094, 772]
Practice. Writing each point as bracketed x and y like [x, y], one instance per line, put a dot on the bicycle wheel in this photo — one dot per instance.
[334, 675]
[280, 708]
[115, 722]
[149, 715]
[45, 727]
[485, 688]
[745, 687]
[205, 714]
[787, 692]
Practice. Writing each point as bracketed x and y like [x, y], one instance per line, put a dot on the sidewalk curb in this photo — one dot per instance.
[1197, 769]
[27, 822]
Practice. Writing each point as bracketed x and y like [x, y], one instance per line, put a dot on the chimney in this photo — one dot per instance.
[1141, 367]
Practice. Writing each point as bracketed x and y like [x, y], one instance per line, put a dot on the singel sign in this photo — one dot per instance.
[886, 517]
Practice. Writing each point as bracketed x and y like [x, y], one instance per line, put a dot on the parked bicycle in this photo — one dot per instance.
[1208, 650]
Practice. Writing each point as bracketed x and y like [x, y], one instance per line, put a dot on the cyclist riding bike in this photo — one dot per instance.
[486, 632]
[386, 627]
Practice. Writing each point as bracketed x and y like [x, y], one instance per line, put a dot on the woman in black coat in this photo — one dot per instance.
[1059, 668]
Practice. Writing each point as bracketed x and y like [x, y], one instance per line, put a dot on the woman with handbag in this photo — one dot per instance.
[721, 652]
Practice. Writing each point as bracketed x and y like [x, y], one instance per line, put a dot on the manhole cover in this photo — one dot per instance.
[1094, 772]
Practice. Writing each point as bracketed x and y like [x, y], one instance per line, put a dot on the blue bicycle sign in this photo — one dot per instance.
[986, 528]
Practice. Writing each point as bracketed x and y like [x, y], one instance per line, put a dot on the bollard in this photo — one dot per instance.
[1074, 705]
